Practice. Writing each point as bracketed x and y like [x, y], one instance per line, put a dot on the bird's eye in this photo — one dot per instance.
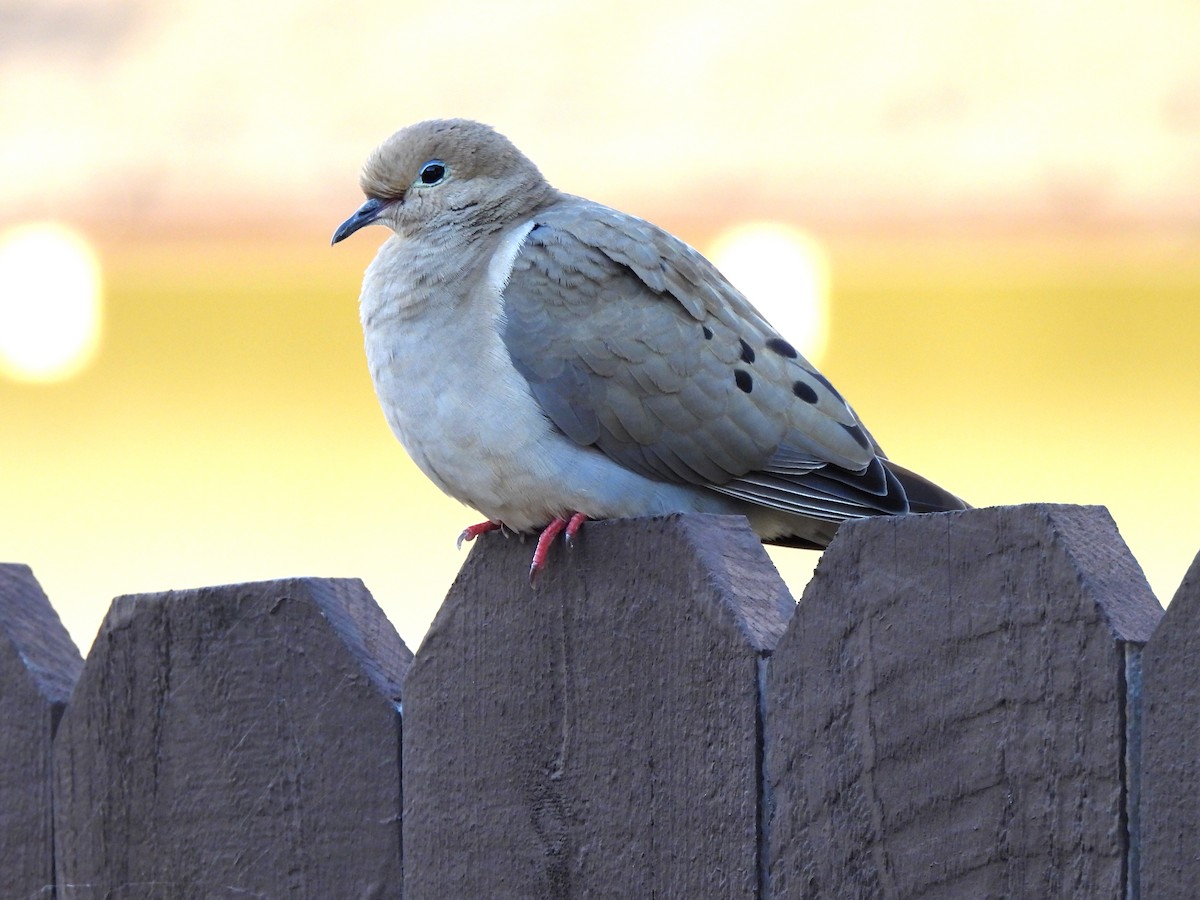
[433, 172]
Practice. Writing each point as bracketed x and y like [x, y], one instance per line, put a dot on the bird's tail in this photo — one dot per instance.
[923, 495]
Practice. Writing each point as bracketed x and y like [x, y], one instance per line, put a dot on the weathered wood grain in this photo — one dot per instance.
[235, 741]
[38, 667]
[600, 735]
[946, 715]
[1170, 788]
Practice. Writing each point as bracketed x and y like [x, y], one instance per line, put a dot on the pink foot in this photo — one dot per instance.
[567, 527]
[473, 531]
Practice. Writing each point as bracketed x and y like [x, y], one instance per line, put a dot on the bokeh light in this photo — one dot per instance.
[50, 302]
[784, 272]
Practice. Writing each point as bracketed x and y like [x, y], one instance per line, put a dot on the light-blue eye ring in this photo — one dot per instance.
[432, 172]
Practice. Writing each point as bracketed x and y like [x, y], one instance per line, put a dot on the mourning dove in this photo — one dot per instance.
[546, 359]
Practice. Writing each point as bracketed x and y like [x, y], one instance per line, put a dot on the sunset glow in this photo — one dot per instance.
[784, 272]
[50, 302]
[982, 221]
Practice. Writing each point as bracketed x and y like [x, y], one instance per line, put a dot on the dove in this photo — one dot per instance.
[545, 360]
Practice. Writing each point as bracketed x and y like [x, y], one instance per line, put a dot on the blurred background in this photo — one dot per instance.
[981, 220]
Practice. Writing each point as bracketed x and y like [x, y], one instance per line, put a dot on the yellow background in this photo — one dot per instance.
[1013, 236]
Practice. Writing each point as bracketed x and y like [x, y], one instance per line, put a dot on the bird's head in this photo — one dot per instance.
[446, 172]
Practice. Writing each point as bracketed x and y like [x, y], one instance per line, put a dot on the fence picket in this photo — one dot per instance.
[234, 740]
[946, 713]
[38, 667]
[597, 736]
[1170, 783]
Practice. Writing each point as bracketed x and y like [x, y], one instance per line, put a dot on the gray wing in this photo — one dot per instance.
[633, 343]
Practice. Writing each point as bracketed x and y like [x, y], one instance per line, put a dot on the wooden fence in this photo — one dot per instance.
[965, 705]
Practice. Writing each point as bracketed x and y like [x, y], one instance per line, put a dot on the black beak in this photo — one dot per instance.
[365, 215]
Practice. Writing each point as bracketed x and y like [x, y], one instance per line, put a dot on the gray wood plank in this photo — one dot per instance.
[38, 667]
[1170, 787]
[946, 715]
[235, 741]
[600, 735]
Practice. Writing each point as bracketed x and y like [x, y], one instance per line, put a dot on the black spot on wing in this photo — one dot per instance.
[782, 347]
[804, 392]
[707, 332]
[825, 381]
[747, 352]
[743, 379]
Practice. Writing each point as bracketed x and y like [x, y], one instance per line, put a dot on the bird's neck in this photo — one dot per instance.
[408, 273]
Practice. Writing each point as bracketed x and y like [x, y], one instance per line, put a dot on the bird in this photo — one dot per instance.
[548, 360]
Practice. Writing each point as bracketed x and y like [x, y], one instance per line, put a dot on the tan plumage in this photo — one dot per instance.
[541, 355]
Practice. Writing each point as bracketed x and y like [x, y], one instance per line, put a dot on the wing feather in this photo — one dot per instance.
[634, 343]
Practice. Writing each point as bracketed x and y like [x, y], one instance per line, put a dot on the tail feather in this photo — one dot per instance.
[923, 495]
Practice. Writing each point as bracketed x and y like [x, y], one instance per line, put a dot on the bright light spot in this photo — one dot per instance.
[785, 274]
[50, 303]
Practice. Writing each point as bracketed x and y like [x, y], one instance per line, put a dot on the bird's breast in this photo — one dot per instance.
[467, 417]
[450, 392]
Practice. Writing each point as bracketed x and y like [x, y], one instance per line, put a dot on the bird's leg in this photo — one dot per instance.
[567, 527]
[545, 539]
[473, 531]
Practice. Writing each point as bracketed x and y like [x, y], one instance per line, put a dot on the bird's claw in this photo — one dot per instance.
[473, 531]
[567, 527]
[572, 529]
